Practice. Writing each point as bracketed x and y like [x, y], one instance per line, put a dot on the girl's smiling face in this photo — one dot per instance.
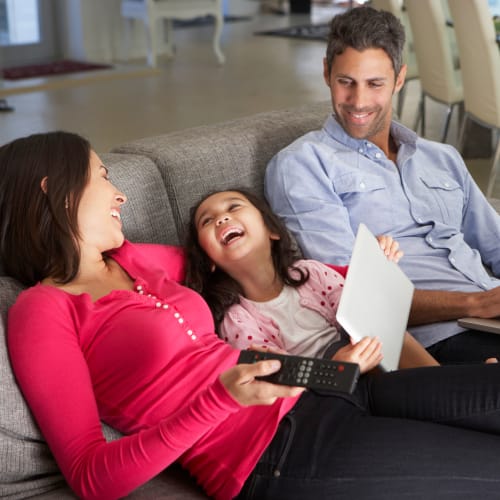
[231, 228]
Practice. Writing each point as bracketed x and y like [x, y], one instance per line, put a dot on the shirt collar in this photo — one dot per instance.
[401, 135]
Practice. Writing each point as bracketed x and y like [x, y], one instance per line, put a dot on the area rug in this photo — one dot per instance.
[304, 32]
[50, 69]
[207, 20]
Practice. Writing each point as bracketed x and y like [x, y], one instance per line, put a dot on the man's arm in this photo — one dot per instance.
[481, 224]
[432, 306]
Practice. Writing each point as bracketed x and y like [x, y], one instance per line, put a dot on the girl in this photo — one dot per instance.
[241, 259]
[106, 331]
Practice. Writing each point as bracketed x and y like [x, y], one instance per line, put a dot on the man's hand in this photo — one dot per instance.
[241, 383]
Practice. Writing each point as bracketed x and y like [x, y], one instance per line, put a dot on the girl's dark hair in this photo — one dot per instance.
[218, 288]
[366, 28]
[38, 225]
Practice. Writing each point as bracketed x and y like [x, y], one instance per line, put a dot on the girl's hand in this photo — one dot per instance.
[240, 382]
[390, 247]
[367, 353]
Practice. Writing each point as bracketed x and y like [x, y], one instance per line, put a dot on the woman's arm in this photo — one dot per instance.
[53, 374]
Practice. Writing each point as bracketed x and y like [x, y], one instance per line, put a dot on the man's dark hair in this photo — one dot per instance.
[366, 28]
[38, 219]
[217, 287]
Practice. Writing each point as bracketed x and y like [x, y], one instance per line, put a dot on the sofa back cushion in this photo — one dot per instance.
[147, 215]
[231, 154]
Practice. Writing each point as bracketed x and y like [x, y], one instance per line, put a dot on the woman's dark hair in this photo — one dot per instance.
[218, 288]
[38, 219]
[364, 28]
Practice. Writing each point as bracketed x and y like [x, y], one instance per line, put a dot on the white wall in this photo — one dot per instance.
[94, 30]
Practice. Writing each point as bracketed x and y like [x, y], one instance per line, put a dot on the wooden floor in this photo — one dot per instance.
[132, 101]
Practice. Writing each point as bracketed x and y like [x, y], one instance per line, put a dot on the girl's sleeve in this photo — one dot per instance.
[54, 378]
[241, 330]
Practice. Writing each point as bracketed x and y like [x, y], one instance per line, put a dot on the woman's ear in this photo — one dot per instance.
[43, 184]
[274, 236]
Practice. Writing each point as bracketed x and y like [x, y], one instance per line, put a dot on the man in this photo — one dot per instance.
[364, 167]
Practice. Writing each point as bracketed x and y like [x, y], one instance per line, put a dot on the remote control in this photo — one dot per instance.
[313, 373]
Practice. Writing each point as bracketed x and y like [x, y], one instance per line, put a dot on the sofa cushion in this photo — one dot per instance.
[235, 153]
[147, 215]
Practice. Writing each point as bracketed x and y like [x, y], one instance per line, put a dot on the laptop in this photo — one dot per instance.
[481, 324]
[376, 298]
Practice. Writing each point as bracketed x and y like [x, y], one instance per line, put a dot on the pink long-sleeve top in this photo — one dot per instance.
[147, 362]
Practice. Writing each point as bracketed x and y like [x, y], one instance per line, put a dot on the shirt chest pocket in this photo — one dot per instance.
[367, 199]
[445, 199]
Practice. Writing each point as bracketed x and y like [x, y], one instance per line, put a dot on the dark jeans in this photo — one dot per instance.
[470, 346]
[406, 434]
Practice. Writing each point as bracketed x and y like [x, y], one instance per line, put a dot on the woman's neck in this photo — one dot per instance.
[97, 277]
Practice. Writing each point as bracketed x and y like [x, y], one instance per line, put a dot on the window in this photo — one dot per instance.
[19, 22]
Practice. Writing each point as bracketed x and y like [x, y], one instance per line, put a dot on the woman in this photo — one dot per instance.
[106, 331]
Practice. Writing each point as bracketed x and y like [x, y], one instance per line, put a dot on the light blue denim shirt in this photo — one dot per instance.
[326, 182]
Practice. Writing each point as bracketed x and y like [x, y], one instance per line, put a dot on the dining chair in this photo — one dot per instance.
[151, 12]
[480, 63]
[396, 8]
[439, 79]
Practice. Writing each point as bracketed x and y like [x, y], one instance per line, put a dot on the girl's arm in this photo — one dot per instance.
[243, 331]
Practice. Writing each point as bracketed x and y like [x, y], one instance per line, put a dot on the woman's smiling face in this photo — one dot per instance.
[99, 220]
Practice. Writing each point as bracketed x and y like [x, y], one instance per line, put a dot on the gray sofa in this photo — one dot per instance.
[162, 177]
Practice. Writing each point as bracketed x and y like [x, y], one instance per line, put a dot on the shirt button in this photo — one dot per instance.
[360, 150]
[483, 284]
[429, 239]
[177, 315]
[447, 184]
[377, 155]
[158, 304]
[452, 260]
[362, 185]
[419, 219]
